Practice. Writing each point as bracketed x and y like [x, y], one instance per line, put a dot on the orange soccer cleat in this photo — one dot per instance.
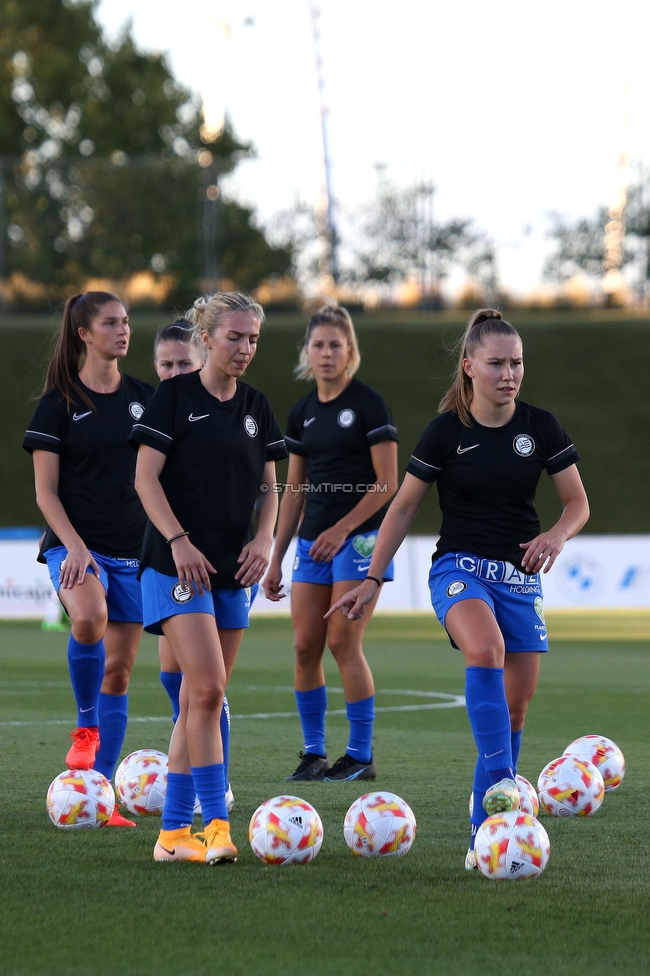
[117, 820]
[179, 845]
[220, 847]
[82, 752]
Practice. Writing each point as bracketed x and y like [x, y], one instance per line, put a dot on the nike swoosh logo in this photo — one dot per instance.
[464, 450]
[306, 423]
[80, 416]
[542, 636]
[492, 754]
[192, 418]
[167, 851]
[86, 709]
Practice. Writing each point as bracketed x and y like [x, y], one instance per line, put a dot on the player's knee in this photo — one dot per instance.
[116, 678]
[307, 650]
[342, 648]
[88, 627]
[486, 655]
[209, 697]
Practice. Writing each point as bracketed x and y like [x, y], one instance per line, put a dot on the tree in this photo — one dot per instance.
[107, 172]
[580, 246]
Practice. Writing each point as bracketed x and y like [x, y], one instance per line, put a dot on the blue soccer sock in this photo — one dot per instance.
[113, 718]
[480, 786]
[171, 682]
[210, 786]
[361, 716]
[312, 706]
[489, 717]
[224, 726]
[515, 746]
[179, 801]
[86, 663]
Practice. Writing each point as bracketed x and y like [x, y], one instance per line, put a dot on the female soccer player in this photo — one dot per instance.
[342, 473]
[207, 450]
[175, 351]
[486, 452]
[84, 470]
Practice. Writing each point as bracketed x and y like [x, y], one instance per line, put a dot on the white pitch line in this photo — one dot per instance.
[449, 701]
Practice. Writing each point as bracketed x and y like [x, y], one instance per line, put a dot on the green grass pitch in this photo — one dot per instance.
[94, 902]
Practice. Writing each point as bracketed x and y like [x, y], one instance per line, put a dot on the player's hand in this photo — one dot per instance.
[74, 567]
[254, 558]
[272, 584]
[542, 551]
[328, 544]
[353, 602]
[191, 565]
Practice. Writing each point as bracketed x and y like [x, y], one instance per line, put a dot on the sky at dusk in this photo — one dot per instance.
[513, 110]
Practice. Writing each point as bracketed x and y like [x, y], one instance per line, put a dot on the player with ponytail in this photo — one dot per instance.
[486, 452]
[84, 471]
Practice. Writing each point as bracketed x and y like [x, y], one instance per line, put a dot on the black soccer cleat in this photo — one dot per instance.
[312, 767]
[348, 768]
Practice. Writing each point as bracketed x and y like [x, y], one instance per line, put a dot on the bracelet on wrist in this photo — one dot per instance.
[374, 579]
[179, 535]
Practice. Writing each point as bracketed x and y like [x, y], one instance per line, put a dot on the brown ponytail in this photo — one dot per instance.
[78, 313]
[482, 324]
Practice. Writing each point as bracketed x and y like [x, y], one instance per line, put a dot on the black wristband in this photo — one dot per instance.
[374, 579]
[179, 535]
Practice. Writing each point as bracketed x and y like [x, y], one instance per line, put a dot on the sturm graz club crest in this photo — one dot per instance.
[250, 426]
[136, 410]
[346, 418]
[457, 587]
[181, 593]
[523, 445]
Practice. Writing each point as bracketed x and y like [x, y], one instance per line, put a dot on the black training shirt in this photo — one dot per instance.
[336, 437]
[487, 478]
[97, 466]
[215, 455]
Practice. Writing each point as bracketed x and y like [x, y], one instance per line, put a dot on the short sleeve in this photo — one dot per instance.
[378, 420]
[156, 425]
[293, 435]
[559, 451]
[275, 447]
[45, 431]
[428, 457]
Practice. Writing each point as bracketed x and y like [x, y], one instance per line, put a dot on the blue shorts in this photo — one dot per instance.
[165, 596]
[351, 562]
[514, 598]
[119, 577]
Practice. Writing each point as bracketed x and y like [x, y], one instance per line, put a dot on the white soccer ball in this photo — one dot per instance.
[510, 846]
[604, 754]
[80, 798]
[141, 782]
[528, 800]
[379, 825]
[285, 830]
[570, 787]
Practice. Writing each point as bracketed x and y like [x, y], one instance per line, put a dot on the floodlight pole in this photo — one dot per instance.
[329, 263]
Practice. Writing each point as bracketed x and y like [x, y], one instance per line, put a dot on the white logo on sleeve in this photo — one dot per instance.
[80, 416]
[346, 418]
[202, 416]
[523, 445]
[181, 592]
[464, 450]
[250, 426]
[136, 410]
[306, 423]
